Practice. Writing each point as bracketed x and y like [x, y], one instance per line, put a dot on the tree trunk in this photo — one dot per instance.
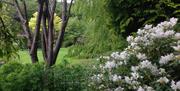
[34, 46]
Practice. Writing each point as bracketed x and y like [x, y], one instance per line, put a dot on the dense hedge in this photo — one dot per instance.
[36, 77]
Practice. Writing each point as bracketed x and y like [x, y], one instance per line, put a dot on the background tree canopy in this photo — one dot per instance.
[105, 21]
[129, 15]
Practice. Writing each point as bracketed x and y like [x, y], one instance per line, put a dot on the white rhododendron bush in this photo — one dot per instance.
[149, 63]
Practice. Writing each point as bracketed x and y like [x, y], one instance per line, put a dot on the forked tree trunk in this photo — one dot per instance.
[46, 10]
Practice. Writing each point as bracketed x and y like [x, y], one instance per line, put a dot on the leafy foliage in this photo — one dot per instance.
[98, 37]
[74, 32]
[57, 22]
[129, 15]
[37, 77]
[8, 34]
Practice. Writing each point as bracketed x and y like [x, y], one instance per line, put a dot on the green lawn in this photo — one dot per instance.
[25, 58]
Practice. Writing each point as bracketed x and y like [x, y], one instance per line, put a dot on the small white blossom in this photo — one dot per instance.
[173, 21]
[130, 39]
[141, 56]
[148, 26]
[135, 75]
[97, 78]
[177, 36]
[145, 64]
[115, 78]
[110, 64]
[141, 89]
[128, 80]
[165, 59]
[175, 85]
[176, 48]
[169, 33]
[119, 89]
[124, 55]
[134, 68]
[148, 88]
[163, 80]
[115, 55]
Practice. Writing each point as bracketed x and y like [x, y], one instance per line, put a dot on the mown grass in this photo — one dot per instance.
[62, 58]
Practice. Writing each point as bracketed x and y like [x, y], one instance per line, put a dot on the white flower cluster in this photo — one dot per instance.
[138, 55]
[175, 85]
[148, 34]
[163, 80]
[146, 88]
[166, 59]
[115, 78]
[110, 64]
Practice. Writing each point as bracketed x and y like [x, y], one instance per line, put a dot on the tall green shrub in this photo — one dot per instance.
[98, 36]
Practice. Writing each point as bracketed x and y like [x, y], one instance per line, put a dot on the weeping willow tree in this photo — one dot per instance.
[99, 37]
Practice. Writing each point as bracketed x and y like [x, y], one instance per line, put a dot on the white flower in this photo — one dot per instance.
[176, 48]
[165, 59]
[124, 55]
[97, 78]
[120, 63]
[148, 88]
[135, 75]
[130, 39]
[133, 44]
[145, 64]
[128, 80]
[141, 32]
[141, 56]
[141, 89]
[115, 55]
[137, 39]
[173, 21]
[110, 64]
[119, 89]
[169, 33]
[175, 85]
[163, 80]
[177, 36]
[115, 78]
[134, 68]
[148, 27]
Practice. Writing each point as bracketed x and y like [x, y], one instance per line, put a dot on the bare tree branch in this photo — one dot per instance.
[33, 51]
[24, 22]
[44, 36]
[65, 17]
[25, 10]
[50, 32]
